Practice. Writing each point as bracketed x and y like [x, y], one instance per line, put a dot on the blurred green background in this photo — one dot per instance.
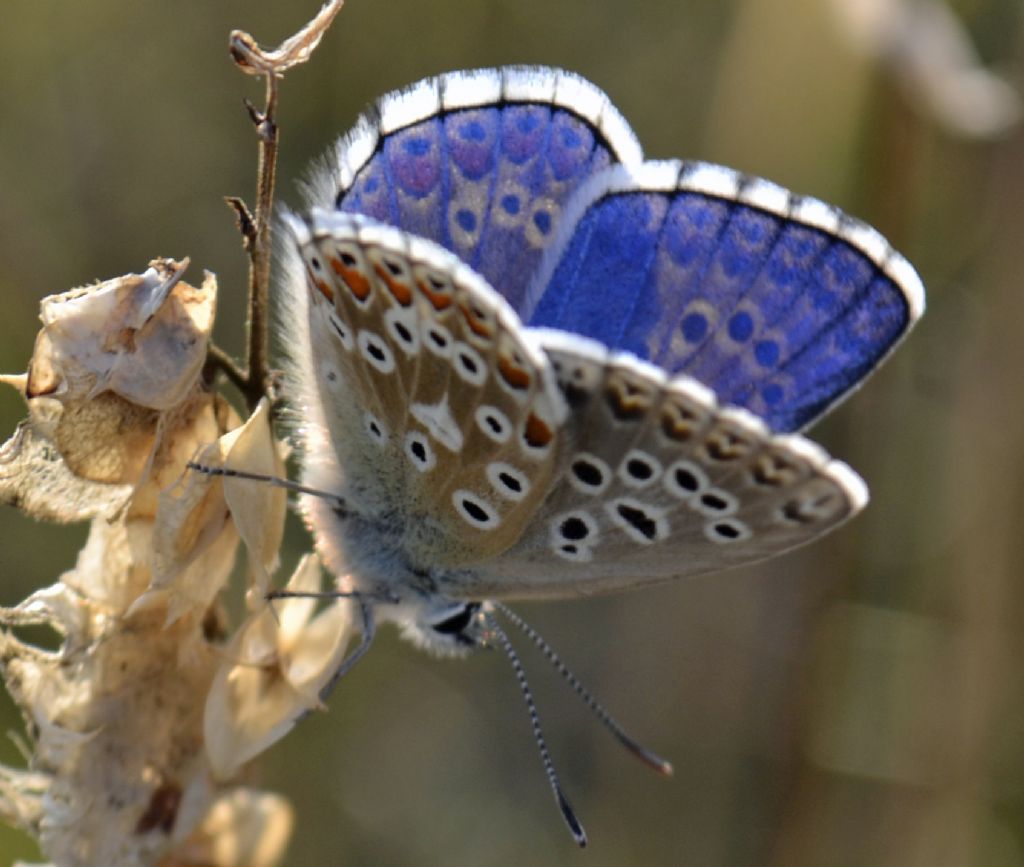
[855, 704]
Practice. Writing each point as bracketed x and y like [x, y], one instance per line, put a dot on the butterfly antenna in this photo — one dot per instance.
[649, 758]
[575, 828]
[275, 481]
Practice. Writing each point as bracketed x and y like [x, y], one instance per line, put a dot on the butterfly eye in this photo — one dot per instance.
[456, 624]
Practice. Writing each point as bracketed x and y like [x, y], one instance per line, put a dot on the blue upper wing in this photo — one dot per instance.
[780, 304]
[481, 163]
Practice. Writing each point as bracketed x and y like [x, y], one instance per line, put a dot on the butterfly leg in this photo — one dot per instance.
[369, 629]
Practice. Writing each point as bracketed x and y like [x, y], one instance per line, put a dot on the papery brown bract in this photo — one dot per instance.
[116, 410]
[273, 672]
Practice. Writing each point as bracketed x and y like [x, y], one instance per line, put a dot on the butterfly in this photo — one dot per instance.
[526, 363]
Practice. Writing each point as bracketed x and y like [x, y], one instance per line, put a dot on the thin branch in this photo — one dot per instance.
[259, 253]
[218, 360]
[243, 221]
[255, 225]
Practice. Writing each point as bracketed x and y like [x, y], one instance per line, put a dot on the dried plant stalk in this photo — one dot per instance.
[140, 725]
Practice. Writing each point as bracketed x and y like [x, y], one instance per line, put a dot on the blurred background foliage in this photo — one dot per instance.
[855, 704]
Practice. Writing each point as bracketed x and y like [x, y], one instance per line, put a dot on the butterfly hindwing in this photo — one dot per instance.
[658, 481]
[480, 162]
[779, 303]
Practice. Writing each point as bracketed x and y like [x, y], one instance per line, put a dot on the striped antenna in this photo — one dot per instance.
[645, 755]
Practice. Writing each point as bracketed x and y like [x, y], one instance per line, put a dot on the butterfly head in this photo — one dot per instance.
[443, 627]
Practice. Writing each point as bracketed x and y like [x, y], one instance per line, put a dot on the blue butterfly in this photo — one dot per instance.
[528, 364]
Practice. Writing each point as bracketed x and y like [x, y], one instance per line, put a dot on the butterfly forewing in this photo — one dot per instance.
[442, 415]
[777, 302]
[482, 163]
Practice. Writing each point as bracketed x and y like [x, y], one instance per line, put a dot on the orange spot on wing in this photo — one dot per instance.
[537, 432]
[774, 470]
[515, 376]
[679, 423]
[476, 325]
[401, 291]
[354, 279]
[438, 300]
[723, 445]
[627, 399]
[325, 290]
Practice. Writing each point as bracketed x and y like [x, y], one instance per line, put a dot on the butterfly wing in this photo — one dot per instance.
[540, 462]
[780, 304]
[658, 481]
[427, 407]
[528, 462]
[480, 162]
[767, 308]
